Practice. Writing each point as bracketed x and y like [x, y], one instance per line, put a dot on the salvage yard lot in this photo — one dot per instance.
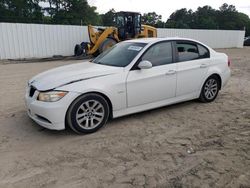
[143, 150]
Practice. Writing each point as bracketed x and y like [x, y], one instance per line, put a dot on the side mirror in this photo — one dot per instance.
[145, 64]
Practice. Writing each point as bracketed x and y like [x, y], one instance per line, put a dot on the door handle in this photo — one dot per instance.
[203, 65]
[170, 72]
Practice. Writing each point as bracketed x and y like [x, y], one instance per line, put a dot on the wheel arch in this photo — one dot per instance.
[107, 99]
[98, 93]
[91, 92]
[215, 71]
[219, 78]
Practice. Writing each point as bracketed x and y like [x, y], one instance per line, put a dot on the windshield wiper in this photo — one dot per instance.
[102, 63]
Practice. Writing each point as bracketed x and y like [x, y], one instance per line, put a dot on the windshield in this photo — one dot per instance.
[120, 55]
[120, 21]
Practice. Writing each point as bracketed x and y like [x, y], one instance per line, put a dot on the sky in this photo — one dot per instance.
[163, 7]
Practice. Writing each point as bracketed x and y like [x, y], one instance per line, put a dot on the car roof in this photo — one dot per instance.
[153, 40]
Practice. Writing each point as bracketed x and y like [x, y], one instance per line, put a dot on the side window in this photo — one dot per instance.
[159, 54]
[187, 51]
[203, 52]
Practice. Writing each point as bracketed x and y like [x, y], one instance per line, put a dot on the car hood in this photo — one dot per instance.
[68, 74]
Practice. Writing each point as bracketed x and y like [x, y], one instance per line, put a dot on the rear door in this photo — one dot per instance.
[193, 62]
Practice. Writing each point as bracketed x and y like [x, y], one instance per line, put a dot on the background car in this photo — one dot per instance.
[247, 41]
[130, 77]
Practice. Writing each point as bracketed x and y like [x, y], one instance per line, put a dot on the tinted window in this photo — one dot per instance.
[120, 55]
[203, 52]
[159, 54]
[187, 51]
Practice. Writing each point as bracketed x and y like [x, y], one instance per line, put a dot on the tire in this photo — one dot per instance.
[78, 50]
[84, 46]
[106, 44]
[88, 113]
[210, 89]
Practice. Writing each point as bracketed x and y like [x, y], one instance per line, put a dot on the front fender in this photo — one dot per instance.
[113, 87]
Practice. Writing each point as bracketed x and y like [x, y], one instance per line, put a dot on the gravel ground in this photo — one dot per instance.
[185, 145]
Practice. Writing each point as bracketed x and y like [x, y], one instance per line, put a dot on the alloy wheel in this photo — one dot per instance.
[90, 114]
[211, 88]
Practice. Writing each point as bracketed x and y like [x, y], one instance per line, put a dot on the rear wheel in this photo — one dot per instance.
[78, 50]
[210, 89]
[88, 113]
[81, 49]
[84, 46]
[106, 44]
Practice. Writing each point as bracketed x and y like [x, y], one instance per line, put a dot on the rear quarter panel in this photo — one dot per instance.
[219, 65]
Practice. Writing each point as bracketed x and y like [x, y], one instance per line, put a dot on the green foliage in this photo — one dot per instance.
[205, 18]
[227, 17]
[107, 18]
[20, 11]
[182, 18]
[152, 19]
[79, 12]
[73, 12]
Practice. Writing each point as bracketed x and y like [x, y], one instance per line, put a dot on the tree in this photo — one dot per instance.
[227, 8]
[20, 11]
[108, 17]
[152, 19]
[77, 12]
[182, 18]
[243, 22]
[205, 18]
[74, 12]
[227, 17]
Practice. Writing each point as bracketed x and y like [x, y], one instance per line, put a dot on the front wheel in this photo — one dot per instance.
[88, 113]
[210, 89]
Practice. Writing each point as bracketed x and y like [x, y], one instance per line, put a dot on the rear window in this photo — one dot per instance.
[187, 51]
[203, 52]
[190, 51]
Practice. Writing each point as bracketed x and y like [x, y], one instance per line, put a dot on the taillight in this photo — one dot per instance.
[228, 63]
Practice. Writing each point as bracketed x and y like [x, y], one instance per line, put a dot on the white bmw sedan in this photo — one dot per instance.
[130, 77]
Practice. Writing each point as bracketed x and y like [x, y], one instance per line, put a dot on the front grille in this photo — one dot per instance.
[32, 91]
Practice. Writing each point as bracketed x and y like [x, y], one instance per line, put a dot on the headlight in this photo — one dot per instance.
[51, 96]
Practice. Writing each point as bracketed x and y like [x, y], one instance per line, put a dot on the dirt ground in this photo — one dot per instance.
[185, 145]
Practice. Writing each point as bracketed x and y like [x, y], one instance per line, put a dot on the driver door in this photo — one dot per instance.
[157, 83]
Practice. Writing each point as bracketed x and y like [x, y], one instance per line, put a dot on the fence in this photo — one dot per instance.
[18, 41]
[38, 41]
[212, 38]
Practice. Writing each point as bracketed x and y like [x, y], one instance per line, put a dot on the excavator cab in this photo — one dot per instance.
[128, 24]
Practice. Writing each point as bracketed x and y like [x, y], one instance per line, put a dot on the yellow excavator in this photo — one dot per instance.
[127, 25]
